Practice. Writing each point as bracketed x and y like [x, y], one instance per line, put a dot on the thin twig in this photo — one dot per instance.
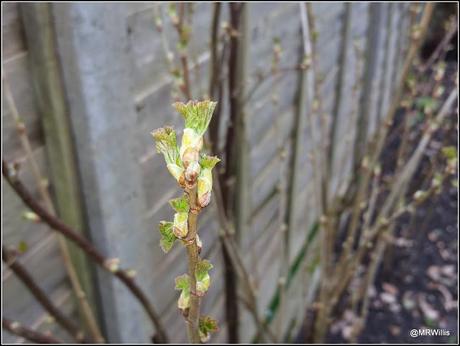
[371, 159]
[18, 329]
[385, 217]
[56, 224]
[238, 264]
[10, 259]
[82, 299]
[343, 271]
[193, 258]
[442, 46]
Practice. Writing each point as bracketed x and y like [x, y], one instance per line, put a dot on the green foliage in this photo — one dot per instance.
[183, 284]
[202, 276]
[426, 104]
[180, 204]
[207, 325]
[203, 281]
[205, 179]
[208, 162]
[166, 144]
[167, 236]
[197, 114]
[193, 172]
[180, 225]
[450, 152]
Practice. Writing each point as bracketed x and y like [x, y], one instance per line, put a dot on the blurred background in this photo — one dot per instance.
[305, 92]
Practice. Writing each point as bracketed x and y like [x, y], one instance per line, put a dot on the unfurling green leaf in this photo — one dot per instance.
[207, 325]
[205, 179]
[197, 114]
[183, 284]
[167, 235]
[180, 204]
[166, 144]
[208, 162]
[202, 276]
[180, 226]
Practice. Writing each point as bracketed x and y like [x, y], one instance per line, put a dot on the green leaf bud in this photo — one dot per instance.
[207, 325]
[183, 284]
[205, 179]
[197, 114]
[180, 204]
[203, 279]
[166, 144]
[191, 173]
[180, 226]
[167, 235]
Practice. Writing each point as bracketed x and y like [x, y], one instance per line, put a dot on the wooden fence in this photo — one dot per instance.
[91, 81]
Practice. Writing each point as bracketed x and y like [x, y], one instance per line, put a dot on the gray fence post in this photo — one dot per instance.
[92, 45]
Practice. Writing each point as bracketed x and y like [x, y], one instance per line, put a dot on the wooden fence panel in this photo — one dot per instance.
[118, 89]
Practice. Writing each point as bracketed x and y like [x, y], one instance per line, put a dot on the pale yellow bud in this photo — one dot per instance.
[192, 172]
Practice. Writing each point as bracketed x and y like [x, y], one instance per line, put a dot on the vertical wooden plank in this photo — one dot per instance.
[339, 84]
[93, 47]
[50, 99]
[386, 66]
[402, 29]
[242, 169]
[372, 45]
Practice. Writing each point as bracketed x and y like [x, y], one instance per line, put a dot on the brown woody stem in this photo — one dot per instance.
[193, 258]
[29, 334]
[56, 224]
[9, 257]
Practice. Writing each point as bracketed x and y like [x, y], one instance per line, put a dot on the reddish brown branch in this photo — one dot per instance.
[59, 226]
[231, 309]
[10, 259]
[17, 329]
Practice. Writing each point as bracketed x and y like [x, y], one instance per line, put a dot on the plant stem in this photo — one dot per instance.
[56, 224]
[237, 263]
[381, 135]
[183, 54]
[193, 258]
[9, 257]
[442, 47]
[386, 211]
[348, 260]
[79, 292]
[29, 334]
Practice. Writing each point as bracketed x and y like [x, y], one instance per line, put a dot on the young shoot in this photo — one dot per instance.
[192, 170]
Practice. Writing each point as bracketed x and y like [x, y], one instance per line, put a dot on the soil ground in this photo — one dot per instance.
[416, 287]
